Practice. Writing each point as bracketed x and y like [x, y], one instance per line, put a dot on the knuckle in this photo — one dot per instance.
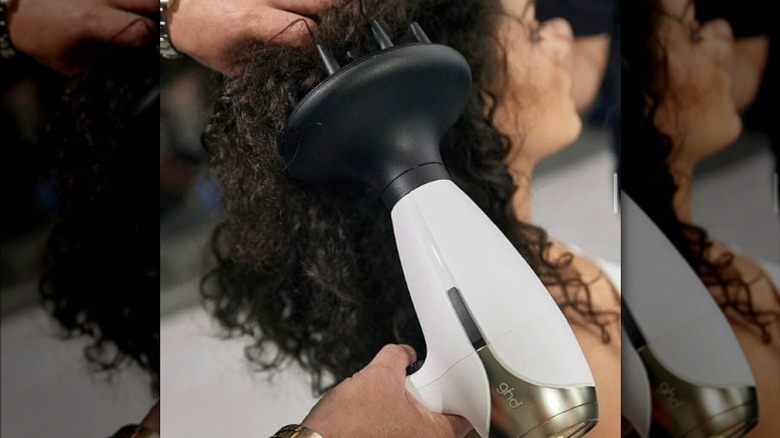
[392, 352]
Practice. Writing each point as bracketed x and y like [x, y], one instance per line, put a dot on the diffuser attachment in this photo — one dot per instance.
[378, 120]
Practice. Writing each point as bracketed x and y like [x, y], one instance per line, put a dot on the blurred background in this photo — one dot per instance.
[48, 388]
[735, 196]
[202, 375]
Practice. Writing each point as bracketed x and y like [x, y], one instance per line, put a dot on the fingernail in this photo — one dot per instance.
[410, 350]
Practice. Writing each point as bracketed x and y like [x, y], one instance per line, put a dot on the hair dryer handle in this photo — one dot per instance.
[463, 390]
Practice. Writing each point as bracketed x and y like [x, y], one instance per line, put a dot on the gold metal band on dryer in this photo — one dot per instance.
[522, 409]
[682, 409]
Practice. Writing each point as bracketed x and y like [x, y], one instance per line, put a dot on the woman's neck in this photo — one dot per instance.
[521, 169]
[681, 171]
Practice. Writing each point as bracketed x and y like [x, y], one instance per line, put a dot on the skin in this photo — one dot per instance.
[707, 121]
[351, 410]
[540, 116]
[72, 23]
[750, 57]
[194, 31]
[209, 31]
[537, 110]
[152, 419]
[764, 359]
[697, 108]
[589, 62]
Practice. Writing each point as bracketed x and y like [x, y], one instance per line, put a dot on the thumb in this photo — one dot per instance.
[453, 425]
[460, 426]
[392, 361]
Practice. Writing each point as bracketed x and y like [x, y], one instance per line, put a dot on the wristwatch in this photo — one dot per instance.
[296, 431]
[6, 48]
[166, 48]
[135, 431]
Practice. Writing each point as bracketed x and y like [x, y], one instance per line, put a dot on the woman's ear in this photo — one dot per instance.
[557, 38]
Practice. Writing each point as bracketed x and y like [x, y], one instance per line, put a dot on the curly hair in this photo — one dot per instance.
[647, 177]
[101, 262]
[312, 273]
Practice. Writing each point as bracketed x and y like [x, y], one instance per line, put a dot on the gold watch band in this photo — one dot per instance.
[296, 431]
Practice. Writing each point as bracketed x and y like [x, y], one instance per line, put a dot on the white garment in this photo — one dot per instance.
[611, 270]
[772, 270]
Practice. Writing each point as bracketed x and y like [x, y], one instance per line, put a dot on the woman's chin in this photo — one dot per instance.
[736, 128]
[722, 134]
[549, 134]
[568, 131]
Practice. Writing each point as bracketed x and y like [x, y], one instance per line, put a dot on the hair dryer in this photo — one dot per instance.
[499, 351]
[684, 373]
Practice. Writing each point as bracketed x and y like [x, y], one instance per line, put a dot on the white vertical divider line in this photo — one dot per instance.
[775, 194]
[615, 192]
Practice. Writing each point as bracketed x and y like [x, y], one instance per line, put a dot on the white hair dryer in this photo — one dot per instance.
[684, 373]
[499, 351]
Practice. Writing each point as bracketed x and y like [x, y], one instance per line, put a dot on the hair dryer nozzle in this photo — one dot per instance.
[378, 119]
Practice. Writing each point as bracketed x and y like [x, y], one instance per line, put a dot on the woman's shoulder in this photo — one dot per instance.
[611, 270]
[771, 269]
[592, 268]
[763, 276]
[586, 262]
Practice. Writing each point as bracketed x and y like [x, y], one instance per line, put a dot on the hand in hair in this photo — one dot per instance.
[50, 31]
[374, 402]
[212, 31]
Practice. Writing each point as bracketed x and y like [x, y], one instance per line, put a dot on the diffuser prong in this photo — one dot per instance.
[327, 58]
[380, 35]
[419, 33]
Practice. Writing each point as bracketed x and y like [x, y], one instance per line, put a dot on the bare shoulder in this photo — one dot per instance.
[763, 288]
[603, 292]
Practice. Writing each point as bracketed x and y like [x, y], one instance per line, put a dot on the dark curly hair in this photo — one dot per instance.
[312, 273]
[646, 175]
[101, 262]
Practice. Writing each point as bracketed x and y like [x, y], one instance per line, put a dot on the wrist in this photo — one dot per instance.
[296, 431]
[318, 422]
[7, 49]
[167, 48]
